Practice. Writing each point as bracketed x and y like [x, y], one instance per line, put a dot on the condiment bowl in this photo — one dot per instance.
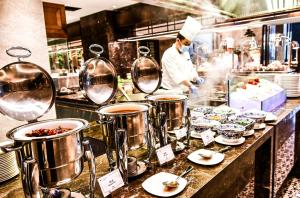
[231, 131]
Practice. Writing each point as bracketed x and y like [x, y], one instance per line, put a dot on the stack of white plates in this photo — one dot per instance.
[8, 165]
[289, 82]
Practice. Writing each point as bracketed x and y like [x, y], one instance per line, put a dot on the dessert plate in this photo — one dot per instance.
[224, 141]
[154, 184]
[198, 159]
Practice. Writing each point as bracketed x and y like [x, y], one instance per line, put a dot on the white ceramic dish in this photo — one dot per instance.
[195, 134]
[174, 131]
[227, 142]
[154, 184]
[259, 126]
[215, 159]
[271, 117]
[248, 133]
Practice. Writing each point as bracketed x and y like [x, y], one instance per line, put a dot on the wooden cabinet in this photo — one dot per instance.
[55, 20]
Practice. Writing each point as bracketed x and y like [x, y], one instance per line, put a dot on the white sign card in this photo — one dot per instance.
[165, 154]
[180, 133]
[110, 182]
[207, 137]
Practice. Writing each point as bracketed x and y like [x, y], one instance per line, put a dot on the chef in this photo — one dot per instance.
[230, 59]
[177, 67]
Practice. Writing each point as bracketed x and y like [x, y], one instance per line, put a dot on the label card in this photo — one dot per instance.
[110, 182]
[207, 137]
[180, 133]
[165, 154]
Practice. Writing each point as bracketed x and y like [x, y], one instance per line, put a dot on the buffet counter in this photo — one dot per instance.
[250, 164]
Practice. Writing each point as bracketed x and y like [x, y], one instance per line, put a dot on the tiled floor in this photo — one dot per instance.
[290, 188]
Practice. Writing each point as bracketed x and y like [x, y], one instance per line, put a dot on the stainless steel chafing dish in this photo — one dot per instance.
[27, 93]
[98, 81]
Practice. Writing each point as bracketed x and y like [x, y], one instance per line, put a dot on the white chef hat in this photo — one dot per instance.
[229, 42]
[190, 29]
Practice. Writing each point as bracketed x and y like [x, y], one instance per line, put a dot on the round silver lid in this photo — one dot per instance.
[145, 72]
[98, 78]
[27, 90]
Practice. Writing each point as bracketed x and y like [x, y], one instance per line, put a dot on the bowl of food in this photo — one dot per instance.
[217, 117]
[258, 116]
[231, 131]
[248, 123]
[225, 110]
[204, 124]
[203, 109]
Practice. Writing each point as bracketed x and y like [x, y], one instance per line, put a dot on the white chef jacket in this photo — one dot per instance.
[176, 67]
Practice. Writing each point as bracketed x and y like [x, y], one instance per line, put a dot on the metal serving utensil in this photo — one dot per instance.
[174, 183]
[210, 153]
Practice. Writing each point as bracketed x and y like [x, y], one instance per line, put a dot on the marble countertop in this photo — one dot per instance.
[201, 177]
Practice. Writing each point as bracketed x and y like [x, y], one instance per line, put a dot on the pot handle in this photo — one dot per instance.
[19, 56]
[10, 147]
[97, 53]
[91, 162]
[30, 178]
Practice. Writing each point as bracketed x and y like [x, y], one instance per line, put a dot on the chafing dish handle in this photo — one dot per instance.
[89, 155]
[30, 178]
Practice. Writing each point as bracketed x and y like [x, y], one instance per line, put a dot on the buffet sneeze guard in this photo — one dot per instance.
[49, 161]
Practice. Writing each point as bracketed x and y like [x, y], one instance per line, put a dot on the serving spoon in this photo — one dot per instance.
[207, 154]
[174, 183]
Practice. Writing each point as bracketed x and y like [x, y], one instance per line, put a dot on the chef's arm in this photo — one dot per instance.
[186, 83]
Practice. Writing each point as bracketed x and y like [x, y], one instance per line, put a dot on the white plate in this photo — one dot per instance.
[179, 146]
[259, 126]
[154, 184]
[222, 140]
[215, 159]
[248, 133]
[270, 117]
[195, 134]
[174, 131]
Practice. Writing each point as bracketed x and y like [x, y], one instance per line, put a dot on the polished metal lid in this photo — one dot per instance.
[98, 78]
[27, 90]
[145, 72]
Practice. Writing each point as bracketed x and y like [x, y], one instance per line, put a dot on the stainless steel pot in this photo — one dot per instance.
[130, 117]
[58, 158]
[175, 107]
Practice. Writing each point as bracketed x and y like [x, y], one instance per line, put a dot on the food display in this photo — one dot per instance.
[255, 93]
[274, 66]
[47, 132]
